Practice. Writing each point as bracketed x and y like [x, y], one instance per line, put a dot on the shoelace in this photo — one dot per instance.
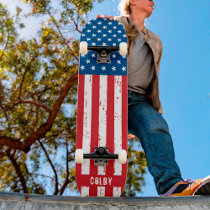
[190, 181]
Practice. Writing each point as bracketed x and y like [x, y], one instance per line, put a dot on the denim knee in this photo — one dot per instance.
[159, 124]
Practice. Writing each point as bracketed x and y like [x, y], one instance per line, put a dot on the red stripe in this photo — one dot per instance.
[95, 111]
[124, 121]
[94, 127]
[110, 129]
[80, 110]
[124, 112]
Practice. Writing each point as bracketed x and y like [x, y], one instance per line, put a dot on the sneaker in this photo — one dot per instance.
[190, 187]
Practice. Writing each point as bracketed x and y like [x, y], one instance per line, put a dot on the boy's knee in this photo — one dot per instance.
[158, 124]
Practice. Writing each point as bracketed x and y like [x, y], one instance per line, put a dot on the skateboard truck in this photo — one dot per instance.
[101, 156]
[103, 52]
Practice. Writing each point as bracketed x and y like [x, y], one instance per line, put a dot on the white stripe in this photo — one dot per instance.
[87, 122]
[102, 117]
[116, 191]
[100, 191]
[84, 191]
[117, 122]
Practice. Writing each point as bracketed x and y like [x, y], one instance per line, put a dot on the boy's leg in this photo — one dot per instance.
[152, 130]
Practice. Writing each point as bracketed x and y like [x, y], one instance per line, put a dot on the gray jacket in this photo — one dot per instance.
[152, 96]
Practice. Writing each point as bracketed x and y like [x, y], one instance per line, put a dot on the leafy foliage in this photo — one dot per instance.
[38, 95]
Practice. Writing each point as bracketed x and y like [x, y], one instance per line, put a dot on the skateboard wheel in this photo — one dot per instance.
[123, 49]
[105, 16]
[83, 48]
[122, 156]
[79, 156]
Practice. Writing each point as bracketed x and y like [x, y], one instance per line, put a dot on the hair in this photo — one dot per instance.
[124, 7]
[125, 10]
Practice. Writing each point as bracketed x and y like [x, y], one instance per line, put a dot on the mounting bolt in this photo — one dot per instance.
[100, 150]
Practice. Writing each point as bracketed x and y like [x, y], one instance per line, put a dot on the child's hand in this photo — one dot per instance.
[111, 17]
[131, 137]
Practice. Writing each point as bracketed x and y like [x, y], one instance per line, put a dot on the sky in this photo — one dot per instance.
[184, 79]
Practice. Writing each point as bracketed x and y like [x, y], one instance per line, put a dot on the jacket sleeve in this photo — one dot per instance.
[160, 111]
[158, 69]
[160, 56]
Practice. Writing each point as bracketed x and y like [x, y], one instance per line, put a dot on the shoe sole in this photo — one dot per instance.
[204, 189]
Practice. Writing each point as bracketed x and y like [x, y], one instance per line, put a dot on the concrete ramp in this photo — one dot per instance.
[19, 201]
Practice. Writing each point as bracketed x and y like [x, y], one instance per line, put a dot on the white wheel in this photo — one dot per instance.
[79, 156]
[122, 156]
[83, 48]
[123, 49]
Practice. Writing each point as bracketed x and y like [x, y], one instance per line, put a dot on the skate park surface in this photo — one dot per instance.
[20, 201]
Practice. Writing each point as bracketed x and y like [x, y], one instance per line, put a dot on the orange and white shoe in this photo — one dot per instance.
[190, 187]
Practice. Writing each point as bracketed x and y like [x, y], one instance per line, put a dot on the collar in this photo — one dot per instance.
[144, 31]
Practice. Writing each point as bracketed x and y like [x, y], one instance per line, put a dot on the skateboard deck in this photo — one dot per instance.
[102, 110]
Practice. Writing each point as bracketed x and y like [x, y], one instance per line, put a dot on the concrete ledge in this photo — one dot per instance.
[17, 201]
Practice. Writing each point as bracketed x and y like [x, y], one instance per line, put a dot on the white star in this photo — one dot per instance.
[124, 68]
[110, 23]
[88, 30]
[113, 56]
[93, 43]
[114, 44]
[104, 35]
[99, 31]
[109, 40]
[114, 35]
[104, 27]
[83, 35]
[89, 23]
[118, 40]
[103, 68]
[104, 44]
[99, 23]
[99, 39]
[88, 61]
[93, 55]
[109, 31]
[93, 68]
[82, 67]
[93, 35]
[118, 61]
[119, 31]
[124, 35]
[114, 68]
[94, 27]
[88, 39]
[83, 55]
[114, 27]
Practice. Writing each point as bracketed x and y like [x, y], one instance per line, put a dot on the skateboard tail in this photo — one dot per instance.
[94, 185]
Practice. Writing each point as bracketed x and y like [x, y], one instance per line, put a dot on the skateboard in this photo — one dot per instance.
[101, 139]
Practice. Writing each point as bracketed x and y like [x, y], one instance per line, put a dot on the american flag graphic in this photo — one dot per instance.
[102, 110]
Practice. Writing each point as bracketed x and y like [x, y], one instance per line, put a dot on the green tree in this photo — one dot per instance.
[38, 95]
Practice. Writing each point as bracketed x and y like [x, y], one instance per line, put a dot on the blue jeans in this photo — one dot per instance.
[152, 130]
